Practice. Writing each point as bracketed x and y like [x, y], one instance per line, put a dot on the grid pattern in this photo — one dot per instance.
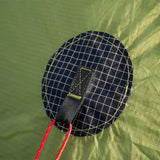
[108, 90]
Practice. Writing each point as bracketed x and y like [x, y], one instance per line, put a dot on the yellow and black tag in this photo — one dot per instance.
[80, 83]
[74, 99]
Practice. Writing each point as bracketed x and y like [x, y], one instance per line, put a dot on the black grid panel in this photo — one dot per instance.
[108, 90]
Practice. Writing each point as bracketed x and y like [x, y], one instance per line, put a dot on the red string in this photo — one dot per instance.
[65, 142]
[45, 137]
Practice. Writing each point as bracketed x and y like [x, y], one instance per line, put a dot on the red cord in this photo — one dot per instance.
[45, 137]
[65, 142]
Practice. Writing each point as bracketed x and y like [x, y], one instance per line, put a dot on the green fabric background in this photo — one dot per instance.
[31, 31]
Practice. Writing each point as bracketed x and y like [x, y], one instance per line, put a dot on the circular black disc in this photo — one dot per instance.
[111, 86]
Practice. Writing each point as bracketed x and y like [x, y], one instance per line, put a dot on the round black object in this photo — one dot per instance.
[111, 85]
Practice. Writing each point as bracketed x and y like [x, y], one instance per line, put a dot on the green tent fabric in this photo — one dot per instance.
[31, 31]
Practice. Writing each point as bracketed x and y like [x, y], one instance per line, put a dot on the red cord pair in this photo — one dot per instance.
[45, 137]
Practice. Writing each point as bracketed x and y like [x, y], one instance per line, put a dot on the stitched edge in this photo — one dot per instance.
[74, 96]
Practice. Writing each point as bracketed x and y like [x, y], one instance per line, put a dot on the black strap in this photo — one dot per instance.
[74, 99]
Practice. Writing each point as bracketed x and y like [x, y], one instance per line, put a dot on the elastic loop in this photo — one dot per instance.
[65, 142]
[45, 137]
